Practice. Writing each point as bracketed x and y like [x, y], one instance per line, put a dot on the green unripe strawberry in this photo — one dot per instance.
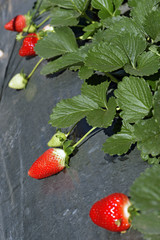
[19, 81]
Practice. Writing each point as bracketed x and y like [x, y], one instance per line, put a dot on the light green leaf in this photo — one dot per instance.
[145, 191]
[156, 105]
[117, 3]
[121, 142]
[133, 45]
[85, 72]
[62, 63]
[106, 58]
[134, 98]
[64, 17]
[57, 43]
[148, 223]
[148, 63]
[103, 118]
[69, 111]
[90, 30]
[145, 196]
[152, 28]
[147, 133]
[96, 92]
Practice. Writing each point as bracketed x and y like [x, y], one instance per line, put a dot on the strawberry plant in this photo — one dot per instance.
[114, 47]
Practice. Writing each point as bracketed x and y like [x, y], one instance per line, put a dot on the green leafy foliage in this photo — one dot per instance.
[147, 64]
[156, 105]
[121, 142]
[107, 8]
[91, 102]
[64, 17]
[145, 196]
[104, 57]
[152, 28]
[147, 133]
[57, 43]
[134, 98]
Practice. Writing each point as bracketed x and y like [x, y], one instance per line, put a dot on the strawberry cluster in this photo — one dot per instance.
[111, 212]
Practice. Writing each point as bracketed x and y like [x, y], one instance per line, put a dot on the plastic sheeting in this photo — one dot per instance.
[55, 208]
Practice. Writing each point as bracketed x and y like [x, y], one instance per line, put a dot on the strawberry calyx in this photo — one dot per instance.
[57, 140]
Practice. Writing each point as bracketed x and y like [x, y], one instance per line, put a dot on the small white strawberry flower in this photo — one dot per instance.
[19, 81]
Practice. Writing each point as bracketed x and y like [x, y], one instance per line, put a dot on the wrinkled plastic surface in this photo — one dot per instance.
[56, 208]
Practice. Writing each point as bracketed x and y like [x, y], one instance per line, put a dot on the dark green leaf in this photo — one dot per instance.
[106, 58]
[148, 63]
[156, 105]
[77, 5]
[69, 111]
[141, 9]
[62, 62]
[96, 92]
[105, 7]
[58, 43]
[64, 17]
[133, 45]
[145, 196]
[119, 26]
[147, 133]
[134, 98]
[145, 191]
[152, 28]
[103, 117]
[121, 142]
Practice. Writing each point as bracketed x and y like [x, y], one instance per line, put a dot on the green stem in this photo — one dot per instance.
[113, 79]
[34, 69]
[45, 20]
[75, 145]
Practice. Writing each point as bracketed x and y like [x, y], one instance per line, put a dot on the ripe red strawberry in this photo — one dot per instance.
[27, 48]
[20, 23]
[112, 213]
[50, 162]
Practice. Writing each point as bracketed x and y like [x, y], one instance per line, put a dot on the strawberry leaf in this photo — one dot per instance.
[156, 105]
[92, 101]
[106, 58]
[96, 92]
[134, 98]
[64, 17]
[121, 142]
[145, 196]
[148, 63]
[147, 133]
[152, 28]
[62, 62]
[79, 5]
[58, 43]
[107, 8]
[133, 45]
[141, 9]
[85, 72]
[69, 111]
[103, 117]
